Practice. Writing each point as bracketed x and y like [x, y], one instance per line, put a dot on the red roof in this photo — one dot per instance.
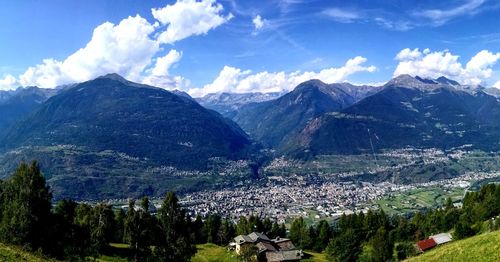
[426, 244]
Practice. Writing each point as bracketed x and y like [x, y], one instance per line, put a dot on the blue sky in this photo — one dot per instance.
[241, 46]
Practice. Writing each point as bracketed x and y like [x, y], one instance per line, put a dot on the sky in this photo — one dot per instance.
[207, 46]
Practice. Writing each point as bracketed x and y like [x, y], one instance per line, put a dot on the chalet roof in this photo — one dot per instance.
[283, 244]
[256, 236]
[426, 244]
[280, 239]
[292, 255]
[265, 246]
[442, 238]
[243, 239]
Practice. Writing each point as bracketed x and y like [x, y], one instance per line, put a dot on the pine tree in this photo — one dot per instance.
[226, 232]
[345, 247]
[138, 231]
[275, 231]
[175, 244]
[26, 204]
[242, 227]
[299, 233]
[211, 228]
[101, 228]
[198, 234]
[382, 245]
[119, 226]
[324, 232]
[69, 240]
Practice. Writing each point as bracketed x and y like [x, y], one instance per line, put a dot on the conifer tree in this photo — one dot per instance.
[26, 201]
[175, 244]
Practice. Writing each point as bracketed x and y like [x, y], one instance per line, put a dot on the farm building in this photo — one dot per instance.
[442, 238]
[426, 244]
[270, 250]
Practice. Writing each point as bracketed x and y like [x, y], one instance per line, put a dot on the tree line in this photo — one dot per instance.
[74, 231]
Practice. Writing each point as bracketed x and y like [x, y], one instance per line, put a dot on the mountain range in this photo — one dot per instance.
[275, 122]
[18, 103]
[228, 104]
[111, 113]
[110, 137]
[142, 126]
[407, 112]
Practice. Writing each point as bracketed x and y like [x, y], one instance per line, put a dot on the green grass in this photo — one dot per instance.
[117, 252]
[310, 256]
[9, 253]
[484, 247]
[214, 253]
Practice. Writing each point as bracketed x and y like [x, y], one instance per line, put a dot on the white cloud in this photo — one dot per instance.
[9, 82]
[408, 54]
[440, 17]
[444, 63]
[125, 49]
[341, 15]
[129, 48]
[164, 63]
[232, 79]
[497, 85]
[159, 74]
[189, 17]
[258, 22]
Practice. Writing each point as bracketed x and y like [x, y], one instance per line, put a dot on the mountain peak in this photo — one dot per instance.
[312, 82]
[418, 82]
[114, 76]
[404, 79]
[447, 81]
[426, 80]
[118, 78]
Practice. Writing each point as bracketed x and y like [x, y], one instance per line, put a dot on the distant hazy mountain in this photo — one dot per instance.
[275, 122]
[18, 103]
[228, 103]
[407, 112]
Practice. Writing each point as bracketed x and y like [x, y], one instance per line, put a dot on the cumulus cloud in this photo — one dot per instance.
[232, 79]
[164, 63]
[125, 48]
[189, 17]
[129, 48]
[444, 63]
[258, 22]
[159, 74]
[9, 82]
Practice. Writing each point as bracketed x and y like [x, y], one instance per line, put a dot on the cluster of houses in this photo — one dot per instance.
[434, 240]
[267, 250]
